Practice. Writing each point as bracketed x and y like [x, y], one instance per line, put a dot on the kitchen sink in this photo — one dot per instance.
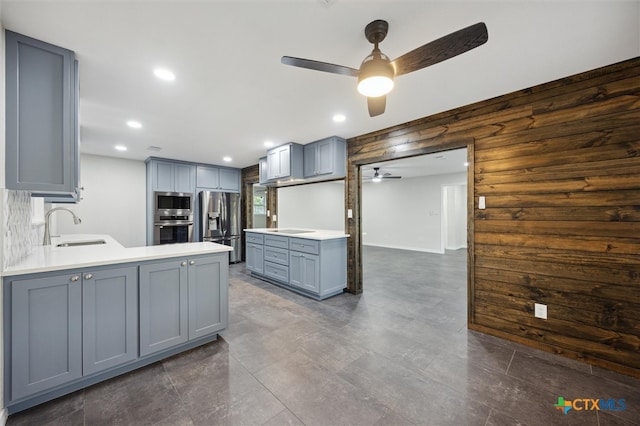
[81, 243]
[290, 231]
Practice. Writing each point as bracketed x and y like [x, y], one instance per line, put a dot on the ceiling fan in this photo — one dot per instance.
[376, 73]
[379, 177]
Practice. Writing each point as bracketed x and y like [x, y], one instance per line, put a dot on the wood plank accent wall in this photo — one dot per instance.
[559, 165]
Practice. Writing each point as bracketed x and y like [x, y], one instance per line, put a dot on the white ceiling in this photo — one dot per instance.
[423, 165]
[231, 92]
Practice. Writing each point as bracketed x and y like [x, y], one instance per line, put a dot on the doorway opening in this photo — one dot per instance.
[414, 237]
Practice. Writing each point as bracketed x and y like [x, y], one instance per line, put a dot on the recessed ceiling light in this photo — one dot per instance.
[268, 144]
[164, 74]
[227, 159]
[120, 148]
[134, 124]
[339, 118]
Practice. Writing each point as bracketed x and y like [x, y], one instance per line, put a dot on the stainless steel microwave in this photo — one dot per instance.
[172, 204]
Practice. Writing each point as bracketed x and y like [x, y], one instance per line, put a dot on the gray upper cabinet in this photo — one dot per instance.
[42, 146]
[218, 178]
[285, 161]
[109, 318]
[262, 170]
[163, 305]
[167, 176]
[46, 333]
[325, 158]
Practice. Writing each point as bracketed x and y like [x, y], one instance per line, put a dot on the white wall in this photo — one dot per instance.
[3, 413]
[406, 213]
[454, 216]
[313, 206]
[113, 200]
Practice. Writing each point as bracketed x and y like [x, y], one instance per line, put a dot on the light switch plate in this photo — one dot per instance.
[349, 214]
[482, 203]
[274, 218]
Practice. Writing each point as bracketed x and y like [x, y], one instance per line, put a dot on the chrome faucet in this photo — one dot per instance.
[47, 235]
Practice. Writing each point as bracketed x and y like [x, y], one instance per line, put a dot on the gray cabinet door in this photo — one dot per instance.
[41, 143]
[184, 178]
[262, 164]
[46, 333]
[255, 258]
[207, 177]
[163, 305]
[284, 160]
[230, 180]
[173, 177]
[109, 318]
[207, 291]
[163, 176]
[325, 154]
[304, 271]
[273, 164]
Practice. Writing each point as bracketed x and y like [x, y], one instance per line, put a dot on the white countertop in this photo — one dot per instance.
[311, 234]
[52, 258]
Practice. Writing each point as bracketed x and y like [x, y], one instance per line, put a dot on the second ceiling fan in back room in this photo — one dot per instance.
[377, 71]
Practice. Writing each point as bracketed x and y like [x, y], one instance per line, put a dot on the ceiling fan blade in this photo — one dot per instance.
[376, 105]
[442, 49]
[391, 177]
[319, 66]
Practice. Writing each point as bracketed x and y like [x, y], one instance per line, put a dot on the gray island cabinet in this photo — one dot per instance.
[313, 264]
[67, 329]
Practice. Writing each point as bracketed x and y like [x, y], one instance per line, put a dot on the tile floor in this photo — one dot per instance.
[398, 354]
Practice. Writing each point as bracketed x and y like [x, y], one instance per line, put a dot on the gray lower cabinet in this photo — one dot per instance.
[182, 300]
[315, 268]
[255, 257]
[67, 325]
[46, 333]
[163, 305]
[109, 318]
[64, 331]
[304, 271]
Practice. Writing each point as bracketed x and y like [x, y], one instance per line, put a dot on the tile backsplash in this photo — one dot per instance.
[21, 232]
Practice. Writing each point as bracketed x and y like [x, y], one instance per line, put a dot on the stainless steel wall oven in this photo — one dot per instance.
[173, 217]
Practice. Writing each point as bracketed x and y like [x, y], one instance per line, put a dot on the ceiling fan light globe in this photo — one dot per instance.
[376, 179]
[375, 86]
[376, 75]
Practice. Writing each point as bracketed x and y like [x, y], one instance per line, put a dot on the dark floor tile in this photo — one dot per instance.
[513, 396]
[616, 377]
[67, 409]
[145, 396]
[317, 396]
[419, 399]
[607, 419]
[497, 418]
[570, 383]
[284, 418]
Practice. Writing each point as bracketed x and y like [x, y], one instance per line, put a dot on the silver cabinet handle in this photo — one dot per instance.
[193, 262]
[75, 278]
[183, 264]
[88, 276]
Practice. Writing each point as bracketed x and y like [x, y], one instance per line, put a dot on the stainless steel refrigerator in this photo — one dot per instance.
[220, 220]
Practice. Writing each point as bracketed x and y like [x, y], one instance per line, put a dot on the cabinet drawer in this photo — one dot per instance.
[277, 272]
[276, 255]
[255, 238]
[304, 245]
[276, 241]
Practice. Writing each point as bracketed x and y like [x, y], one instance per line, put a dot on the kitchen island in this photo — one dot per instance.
[86, 309]
[311, 262]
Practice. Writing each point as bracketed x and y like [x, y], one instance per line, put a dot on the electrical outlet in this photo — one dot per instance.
[540, 311]
[274, 218]
[349, 214]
